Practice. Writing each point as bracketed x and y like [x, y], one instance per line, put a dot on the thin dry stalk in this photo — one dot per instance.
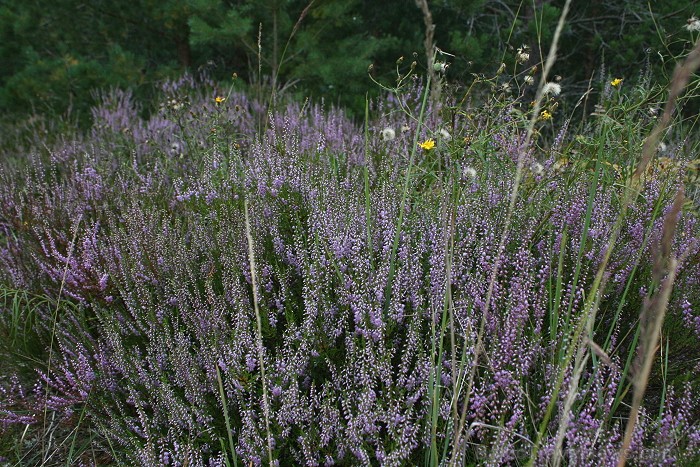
[651, 320]
[430, 52]
[278, 65]
[261, 353]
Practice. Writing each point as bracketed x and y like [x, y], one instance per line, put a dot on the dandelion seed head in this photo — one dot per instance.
[551, 88]
[693, 24]
[468, 173]
[388, 134]
[523, 55]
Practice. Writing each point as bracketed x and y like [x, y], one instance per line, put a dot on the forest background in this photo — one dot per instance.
[55, 55]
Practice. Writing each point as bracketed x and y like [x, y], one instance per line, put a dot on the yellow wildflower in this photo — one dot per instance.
[219, 99]
[428, 144]
[616, 82]
[545, 115]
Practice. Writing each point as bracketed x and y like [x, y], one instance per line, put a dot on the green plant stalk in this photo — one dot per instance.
[554, 316]
[434, 384]
[436, 356]
[453, 342]
[69, 459]
[365, 173]
[589, 308]
[226, 417]
[404, 197]
[623, 389]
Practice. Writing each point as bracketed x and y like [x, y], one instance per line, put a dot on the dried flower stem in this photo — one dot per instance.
[652, 318]
[261, 354]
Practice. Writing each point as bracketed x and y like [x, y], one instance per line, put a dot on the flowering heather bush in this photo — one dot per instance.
[128, 289]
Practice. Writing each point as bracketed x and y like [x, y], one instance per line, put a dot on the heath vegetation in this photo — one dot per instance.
[468, 273]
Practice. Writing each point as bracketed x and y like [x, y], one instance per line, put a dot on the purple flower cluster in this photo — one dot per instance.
[139, 226]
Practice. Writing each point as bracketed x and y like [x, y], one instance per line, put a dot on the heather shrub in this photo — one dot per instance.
[217, 284]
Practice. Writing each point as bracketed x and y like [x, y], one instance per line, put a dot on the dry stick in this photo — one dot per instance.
[261, 355]
[551, 58]
[651, 320]
[430, 51]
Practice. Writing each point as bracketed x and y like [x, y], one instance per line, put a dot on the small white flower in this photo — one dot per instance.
[445, 134]
[468, 173]
[405, 128]
[693, 24]
[537, 168]
[523, 55]
[528, 79]
[551, 88]
[388, 134]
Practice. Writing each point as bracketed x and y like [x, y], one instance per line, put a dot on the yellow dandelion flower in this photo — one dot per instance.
[428, 144]
[616, 82]
[219, 99]
[545, 115]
